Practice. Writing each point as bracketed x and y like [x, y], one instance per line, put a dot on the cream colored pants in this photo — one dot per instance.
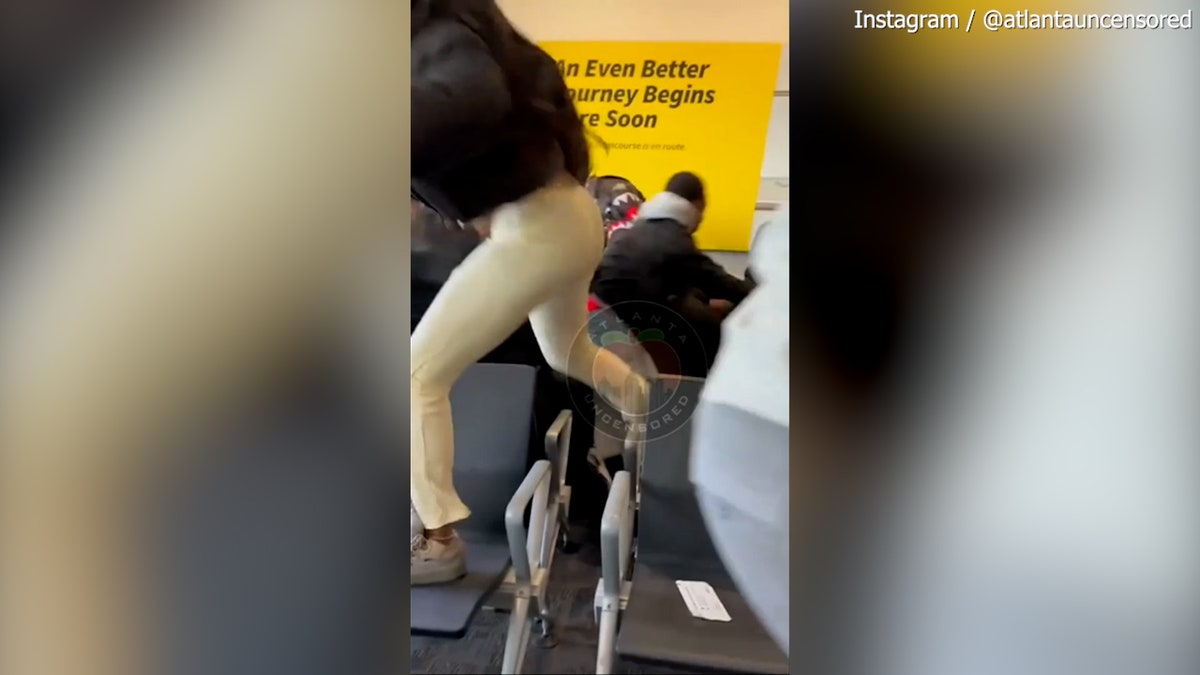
[536, 264]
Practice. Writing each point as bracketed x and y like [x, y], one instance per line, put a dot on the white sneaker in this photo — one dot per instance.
[436, 561]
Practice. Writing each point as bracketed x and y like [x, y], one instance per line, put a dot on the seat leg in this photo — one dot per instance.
[545, 639]
[517, 638]
[606, 648]
[565, 543]
[564, 525]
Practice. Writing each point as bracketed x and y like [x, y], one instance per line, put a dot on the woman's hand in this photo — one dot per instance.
[724, 307]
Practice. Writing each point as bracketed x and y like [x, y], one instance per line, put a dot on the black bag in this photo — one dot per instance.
[618, 199]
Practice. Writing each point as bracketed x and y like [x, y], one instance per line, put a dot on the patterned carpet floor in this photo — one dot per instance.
[572, 587]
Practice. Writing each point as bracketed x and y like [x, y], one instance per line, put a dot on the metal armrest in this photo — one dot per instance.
[616, 535]
[616, 538]
[631, 457]
[558, 450]
[558, 447]
[526, 545]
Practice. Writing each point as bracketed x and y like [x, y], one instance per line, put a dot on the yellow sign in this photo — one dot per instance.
[664, 107]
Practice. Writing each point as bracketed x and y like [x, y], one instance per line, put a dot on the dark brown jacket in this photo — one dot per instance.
[491, 118]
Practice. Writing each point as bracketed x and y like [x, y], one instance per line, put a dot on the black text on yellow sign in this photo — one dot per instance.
[672, 85]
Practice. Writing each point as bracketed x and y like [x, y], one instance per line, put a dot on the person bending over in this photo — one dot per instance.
[498, 145]
[656, 264]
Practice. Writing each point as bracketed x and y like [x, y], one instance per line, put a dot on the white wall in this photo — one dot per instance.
[776, 159]
[784, 80]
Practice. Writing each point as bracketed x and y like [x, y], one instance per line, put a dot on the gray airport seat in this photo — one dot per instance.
[508, 564]
[642, 616]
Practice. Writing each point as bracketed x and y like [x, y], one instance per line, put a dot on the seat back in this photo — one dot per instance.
[492, 408]
[670, 525]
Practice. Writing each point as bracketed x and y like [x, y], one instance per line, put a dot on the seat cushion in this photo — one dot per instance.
[658, 628]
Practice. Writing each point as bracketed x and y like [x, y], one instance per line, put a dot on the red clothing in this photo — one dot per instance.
[630, 216]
